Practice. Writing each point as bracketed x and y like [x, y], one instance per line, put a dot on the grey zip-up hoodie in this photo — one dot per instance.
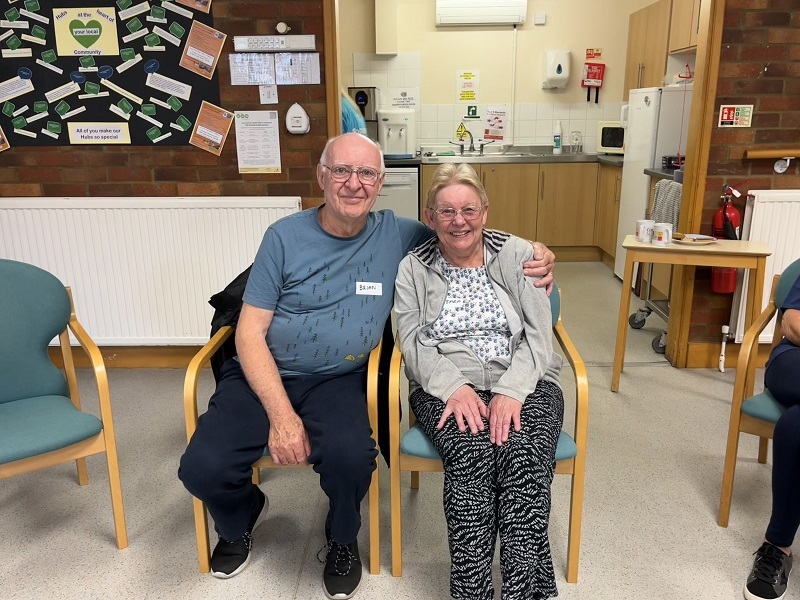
[442, 366]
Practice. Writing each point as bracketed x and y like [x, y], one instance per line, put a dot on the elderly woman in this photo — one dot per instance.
[476, 338]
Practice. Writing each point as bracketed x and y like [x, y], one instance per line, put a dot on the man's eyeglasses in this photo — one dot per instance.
[469, 213]
[368, 175]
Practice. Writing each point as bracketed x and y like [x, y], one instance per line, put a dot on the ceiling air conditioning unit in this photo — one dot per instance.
[480, 12]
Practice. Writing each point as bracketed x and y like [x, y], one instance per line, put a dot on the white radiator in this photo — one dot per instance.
[773, 217]
[141, 269]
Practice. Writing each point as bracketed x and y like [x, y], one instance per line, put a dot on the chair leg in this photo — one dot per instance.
[83, 474]
[763, 446]
[575, 521]
[116, 497]
[397, 524]
[256, 476]
[374, 525]
[414, 480]
[201, 532]
[728, 473]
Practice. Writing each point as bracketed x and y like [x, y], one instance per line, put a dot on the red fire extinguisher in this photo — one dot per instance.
[725, 225]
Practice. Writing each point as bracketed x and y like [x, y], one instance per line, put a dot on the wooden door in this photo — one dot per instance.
[637, 39]
[656, 48]
[609, 180]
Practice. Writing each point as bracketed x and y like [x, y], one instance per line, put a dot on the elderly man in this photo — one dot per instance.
[319, 293]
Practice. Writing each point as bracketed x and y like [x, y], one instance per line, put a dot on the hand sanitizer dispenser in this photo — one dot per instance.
[397, 132]
[555, 71]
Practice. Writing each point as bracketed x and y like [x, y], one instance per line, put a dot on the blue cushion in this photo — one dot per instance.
[764, 407]
[37, 425]
[416, 443]
[555, 303]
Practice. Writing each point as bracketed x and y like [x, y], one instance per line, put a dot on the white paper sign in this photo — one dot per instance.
[257, 141]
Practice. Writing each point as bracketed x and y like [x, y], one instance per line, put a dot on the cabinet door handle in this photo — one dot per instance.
[616, 188]
[541, 185]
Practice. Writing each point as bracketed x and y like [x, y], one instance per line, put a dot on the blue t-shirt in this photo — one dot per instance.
[331, 295]
[792, 301]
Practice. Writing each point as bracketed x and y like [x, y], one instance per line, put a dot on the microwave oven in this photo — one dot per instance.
[610, 137]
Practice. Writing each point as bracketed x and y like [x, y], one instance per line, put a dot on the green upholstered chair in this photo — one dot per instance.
[41, 422]
[751, 414]
[200, 360]
[414, 451]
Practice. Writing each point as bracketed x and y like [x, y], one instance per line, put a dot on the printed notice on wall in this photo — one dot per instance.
[211, 129]
[257, 141]
[467, 84]
[202, 50]
[403, 97]
[98, 133]
[735, 115]
[495, 125]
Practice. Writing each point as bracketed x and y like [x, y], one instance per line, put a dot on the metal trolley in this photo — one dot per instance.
[665, 209]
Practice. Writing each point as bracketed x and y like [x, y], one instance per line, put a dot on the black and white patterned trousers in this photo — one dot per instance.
[506, 490]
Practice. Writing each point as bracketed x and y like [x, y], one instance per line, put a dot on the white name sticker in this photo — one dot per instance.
[368, 288]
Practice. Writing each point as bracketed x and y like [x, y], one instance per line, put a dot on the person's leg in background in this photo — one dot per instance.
[217, 467]
[769, 577]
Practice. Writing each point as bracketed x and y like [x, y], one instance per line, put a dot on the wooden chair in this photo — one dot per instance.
[190, 412]
[41, 422]
[751, 414]
[414, 451]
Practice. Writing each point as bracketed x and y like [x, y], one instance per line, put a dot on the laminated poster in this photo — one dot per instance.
[202, 50]
[211, 129]
[201, 5]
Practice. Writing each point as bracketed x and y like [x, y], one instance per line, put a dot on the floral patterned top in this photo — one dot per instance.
[472, 314]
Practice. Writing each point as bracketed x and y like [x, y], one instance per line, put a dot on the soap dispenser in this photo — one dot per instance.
[557, 133]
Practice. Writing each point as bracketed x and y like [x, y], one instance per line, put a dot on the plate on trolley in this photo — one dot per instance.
[695, 239]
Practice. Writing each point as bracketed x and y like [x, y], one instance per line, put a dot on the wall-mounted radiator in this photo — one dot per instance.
[773, 217]
[141, 270]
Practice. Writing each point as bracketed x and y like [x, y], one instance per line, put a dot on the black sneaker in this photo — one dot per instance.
[230, 558]
[770, 574]
[342, 574]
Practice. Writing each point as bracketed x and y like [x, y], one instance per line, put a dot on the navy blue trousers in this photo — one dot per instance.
[784, 384]
[232, 435]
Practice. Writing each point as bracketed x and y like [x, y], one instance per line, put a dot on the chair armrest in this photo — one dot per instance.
[745, 363]
[98, 366]
[373, 372]
[193, 373]
[394, 405]
[581, 385]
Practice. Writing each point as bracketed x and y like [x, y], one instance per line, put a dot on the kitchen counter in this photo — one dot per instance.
[511, 158]
[614, 160]
[660, 173]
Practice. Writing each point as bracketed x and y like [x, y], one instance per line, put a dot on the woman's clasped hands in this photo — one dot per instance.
[471, 413]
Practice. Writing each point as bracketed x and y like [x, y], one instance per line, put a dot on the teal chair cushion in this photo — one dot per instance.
[416, 443]
[37, 425]
[555, 304]
[764, 407]
[35, 308]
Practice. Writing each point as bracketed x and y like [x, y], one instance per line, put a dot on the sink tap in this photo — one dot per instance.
[460, 147]
[471, 141]
[484, 144]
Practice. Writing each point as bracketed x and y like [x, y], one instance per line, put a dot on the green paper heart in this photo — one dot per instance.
[81, 32]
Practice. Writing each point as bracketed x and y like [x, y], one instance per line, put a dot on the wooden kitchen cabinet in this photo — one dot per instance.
[648, 42]
[567, 198]
[609, 182]
[512, 190]
[684, 25]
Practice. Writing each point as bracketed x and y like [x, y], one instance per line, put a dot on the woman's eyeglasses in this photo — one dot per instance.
[368, 175]
[469, 213]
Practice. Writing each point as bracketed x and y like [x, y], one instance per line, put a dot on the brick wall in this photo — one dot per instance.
[759, 65]
[187, 170]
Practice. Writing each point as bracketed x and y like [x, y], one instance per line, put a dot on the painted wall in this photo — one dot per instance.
[428, 59]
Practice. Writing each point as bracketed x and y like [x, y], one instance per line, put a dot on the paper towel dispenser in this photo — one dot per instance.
[555, 69]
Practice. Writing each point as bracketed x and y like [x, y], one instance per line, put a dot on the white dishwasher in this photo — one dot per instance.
[400, 192]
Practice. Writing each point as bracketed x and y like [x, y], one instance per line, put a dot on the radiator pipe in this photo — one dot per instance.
[725, 331]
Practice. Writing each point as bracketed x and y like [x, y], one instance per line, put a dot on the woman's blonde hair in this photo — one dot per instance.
[450, 174]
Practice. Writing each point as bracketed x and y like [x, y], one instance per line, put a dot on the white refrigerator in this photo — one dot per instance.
[658, 124]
